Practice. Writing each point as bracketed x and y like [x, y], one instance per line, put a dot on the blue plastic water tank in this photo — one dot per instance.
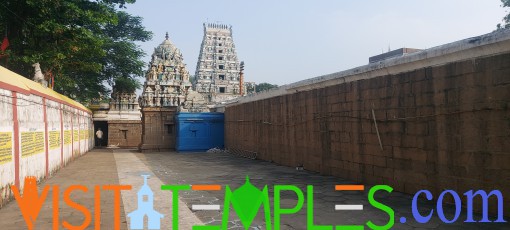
[200, 131]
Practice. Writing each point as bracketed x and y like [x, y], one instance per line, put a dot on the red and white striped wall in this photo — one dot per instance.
[40, 131]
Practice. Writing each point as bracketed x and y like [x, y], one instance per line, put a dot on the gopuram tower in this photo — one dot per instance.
[166, 91]
[217, 75]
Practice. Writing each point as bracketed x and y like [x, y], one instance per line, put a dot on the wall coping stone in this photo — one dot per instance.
[490, 44]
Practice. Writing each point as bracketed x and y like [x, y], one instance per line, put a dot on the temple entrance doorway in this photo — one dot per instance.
[103, 125]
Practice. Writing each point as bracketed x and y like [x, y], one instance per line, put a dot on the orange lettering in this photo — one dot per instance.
[81, 208]
[97, 208]
[116, 203]
[30, 204]
[56, 193]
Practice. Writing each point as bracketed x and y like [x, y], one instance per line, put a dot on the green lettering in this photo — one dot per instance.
[382, 207]
[175, 202]
[309, 212]
[278, 211]
[246, 201]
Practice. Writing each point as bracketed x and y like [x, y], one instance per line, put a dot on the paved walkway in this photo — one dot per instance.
[225, 169]
[94, 168]
[130, 169]
[103, 167]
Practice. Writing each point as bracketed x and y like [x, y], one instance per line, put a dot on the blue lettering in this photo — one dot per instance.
[485, 205]
[416, 214]
[457, 202]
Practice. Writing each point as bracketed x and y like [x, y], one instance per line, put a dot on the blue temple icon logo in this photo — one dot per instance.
[145, 209]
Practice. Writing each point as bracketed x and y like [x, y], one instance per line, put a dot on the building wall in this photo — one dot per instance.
[125, 134]
[158, 128]
[67, 137]
[32, 136]
[6, 136]
[34, 123]
[441, 127]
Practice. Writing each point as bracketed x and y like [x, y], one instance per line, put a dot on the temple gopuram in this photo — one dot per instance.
[218, 76]
[167, 91]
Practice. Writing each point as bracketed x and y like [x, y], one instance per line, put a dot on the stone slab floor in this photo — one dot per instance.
[126, 167]
[225, 169]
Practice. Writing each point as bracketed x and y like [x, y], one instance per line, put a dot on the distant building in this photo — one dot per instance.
[217, 76]
[391, 54]
[145, 208]
[119, 120]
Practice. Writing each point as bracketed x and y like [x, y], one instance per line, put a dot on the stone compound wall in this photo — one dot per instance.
[158, 129]
[40, 131]
[443, 117]
[125, 134]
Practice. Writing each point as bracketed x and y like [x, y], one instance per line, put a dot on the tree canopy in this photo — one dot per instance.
[264, 86]
[506, 19]
[83, 44]
[126, 85]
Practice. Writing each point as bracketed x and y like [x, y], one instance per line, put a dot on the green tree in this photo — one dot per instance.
[506, 19]
[84, 44]
[250, 88]
[264, 86]
[126, 85]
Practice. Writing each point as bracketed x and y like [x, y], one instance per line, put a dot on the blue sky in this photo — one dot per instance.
[284, 41]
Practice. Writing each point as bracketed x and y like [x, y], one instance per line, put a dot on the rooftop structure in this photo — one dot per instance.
[391, 54]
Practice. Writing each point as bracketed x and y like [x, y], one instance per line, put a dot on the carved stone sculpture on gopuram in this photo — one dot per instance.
[167, 81]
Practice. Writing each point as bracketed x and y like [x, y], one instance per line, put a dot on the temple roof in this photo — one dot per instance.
[167, 51]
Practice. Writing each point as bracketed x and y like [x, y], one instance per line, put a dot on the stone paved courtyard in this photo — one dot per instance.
[225, 169]
[102, 166]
